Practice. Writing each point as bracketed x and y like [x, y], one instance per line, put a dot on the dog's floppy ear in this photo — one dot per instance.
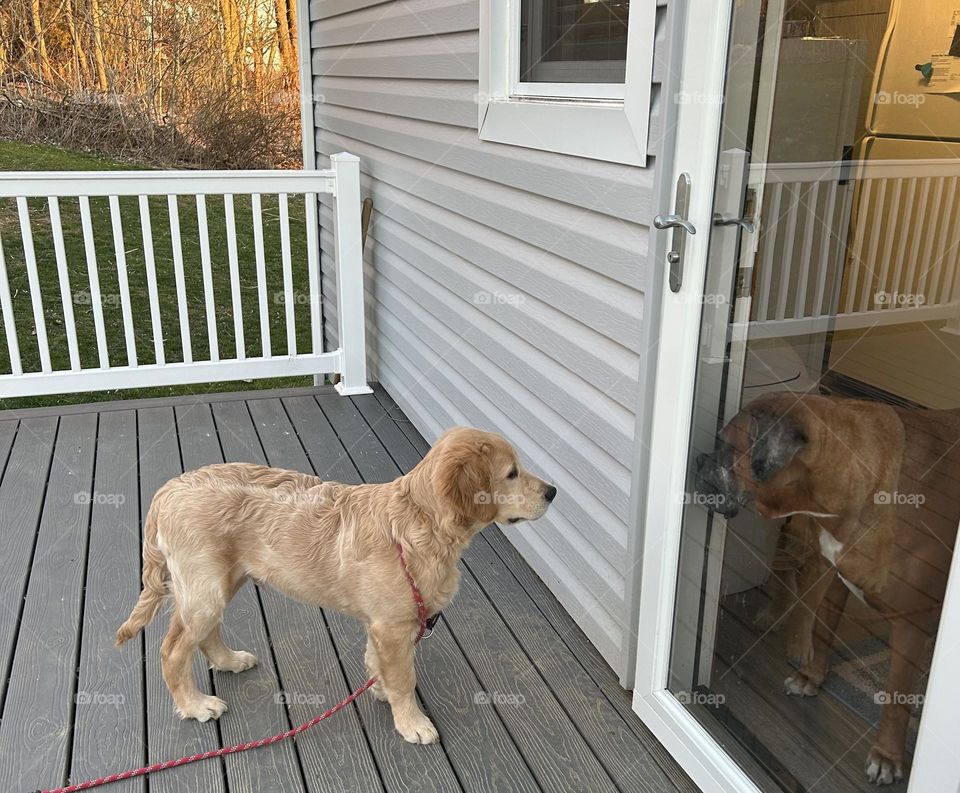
[777, 437]
[463, 480]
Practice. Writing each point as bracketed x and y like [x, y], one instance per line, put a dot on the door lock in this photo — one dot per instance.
[677, 221]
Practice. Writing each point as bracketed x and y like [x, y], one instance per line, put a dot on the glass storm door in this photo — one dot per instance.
[821, 495]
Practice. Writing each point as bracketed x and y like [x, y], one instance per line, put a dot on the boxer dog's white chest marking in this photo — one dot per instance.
[831, 547]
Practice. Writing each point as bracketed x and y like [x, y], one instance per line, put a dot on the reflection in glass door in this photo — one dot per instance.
[823, 495]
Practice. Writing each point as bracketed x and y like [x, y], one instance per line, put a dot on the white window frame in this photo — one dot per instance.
[601, 121]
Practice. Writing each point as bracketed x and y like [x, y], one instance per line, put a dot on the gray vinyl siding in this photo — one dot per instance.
[559, 244]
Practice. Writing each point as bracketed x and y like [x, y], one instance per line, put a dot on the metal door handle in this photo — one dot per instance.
[674, 222]
[747, 224]
[677, 221]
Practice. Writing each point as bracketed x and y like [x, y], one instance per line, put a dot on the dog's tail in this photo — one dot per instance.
[155, 581]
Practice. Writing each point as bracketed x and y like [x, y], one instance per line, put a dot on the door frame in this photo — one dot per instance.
[700, 76]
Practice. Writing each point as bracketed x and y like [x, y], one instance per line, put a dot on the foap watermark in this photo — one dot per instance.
[483, 497]
[109, 699]
[704, 300]
[498, 698]
[83, 297]
[707, 698]
[707, 500]
[898, 98]
[899, 299]
[499, 299]
[899, 499]
[697, 98]
[898, 698]
[298, 698]
[297, 298]
[101, 499]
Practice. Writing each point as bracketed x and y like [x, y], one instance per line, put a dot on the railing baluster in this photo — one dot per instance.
[853, 270]
[66, 295]
[257, 211]
[207, 269]
[918, 289]
[176, 246]
[121, 256]
[287, 274]
[905, 224]
[146, 227]
[30, 257]
[892, 225]
[231, 222]
[913, 261]
[800, 299]
[940, 265]
[868, 266]
[770, 231]
[826, 240]
[786, 258]
[93, 274]
[9, 326]
[313, 266]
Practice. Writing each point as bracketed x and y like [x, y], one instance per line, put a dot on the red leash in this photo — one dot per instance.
[425, 628]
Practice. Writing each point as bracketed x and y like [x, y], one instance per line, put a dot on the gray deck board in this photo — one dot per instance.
[35, 739]
[333, 759]
[70, 573]
[404, 767]
[109, 725]
[167, 736]
[254, 710]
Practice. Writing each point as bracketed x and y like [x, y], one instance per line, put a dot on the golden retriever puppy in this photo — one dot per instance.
[325, 544]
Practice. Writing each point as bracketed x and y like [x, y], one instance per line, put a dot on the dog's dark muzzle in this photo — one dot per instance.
[716, 484]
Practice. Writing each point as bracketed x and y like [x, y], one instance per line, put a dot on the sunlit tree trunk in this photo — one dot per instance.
[98, 56]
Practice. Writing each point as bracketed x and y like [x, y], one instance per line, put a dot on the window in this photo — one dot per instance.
[571, 76]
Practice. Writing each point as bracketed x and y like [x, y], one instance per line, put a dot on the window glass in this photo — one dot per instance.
[573, 41]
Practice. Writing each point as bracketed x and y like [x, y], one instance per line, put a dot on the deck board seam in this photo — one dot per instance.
[142, 637]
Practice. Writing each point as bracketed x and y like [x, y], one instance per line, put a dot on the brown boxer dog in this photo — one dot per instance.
[874, 491]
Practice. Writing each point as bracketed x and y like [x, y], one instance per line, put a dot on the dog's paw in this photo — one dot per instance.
[237, 661]
[800, 685]
[203, 709]
[882, 770]
[418, 729]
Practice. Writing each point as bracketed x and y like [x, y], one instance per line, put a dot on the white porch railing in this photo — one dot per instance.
[204, 241]
[899, 264]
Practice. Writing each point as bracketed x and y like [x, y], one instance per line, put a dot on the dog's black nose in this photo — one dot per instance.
[550, 493]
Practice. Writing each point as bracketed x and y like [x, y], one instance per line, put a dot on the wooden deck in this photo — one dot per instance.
[522, 700]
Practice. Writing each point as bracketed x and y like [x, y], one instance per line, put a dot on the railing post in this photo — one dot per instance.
[349, 262]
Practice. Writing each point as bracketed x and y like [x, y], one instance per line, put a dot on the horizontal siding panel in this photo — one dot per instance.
[603, 305]
[607, 188]
[550, 545]
[605, 245]
[608, 366]
[567, 393]
[324, 9]
[434, 357]
[398, 20]
[449, 57]
[451, 102]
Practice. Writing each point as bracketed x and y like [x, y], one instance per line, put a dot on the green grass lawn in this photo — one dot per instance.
[24, 157]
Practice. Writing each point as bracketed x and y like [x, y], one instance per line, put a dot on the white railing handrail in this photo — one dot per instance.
[856, 170]
[63, 184]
